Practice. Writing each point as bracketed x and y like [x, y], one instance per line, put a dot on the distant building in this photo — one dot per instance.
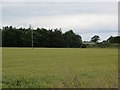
[88, 42]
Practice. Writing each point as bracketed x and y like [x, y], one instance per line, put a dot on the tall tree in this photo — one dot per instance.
[112, 39]
[71, 39]
[21, 37]
[95, 38]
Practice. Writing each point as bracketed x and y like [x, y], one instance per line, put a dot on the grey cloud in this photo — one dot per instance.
[59, 0]
[17, 14]
[45, 9]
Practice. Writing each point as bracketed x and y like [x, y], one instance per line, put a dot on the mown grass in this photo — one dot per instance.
[60, 68]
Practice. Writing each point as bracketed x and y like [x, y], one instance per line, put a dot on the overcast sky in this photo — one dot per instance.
[59, 0]
[84, 18]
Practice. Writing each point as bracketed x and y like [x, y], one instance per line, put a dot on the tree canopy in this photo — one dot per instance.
[95, 38]
[21, 37]
[112, 39]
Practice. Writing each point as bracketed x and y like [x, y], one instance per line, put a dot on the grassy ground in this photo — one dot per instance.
[57, 68]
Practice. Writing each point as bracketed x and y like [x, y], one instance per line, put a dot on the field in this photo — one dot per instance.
[60, 68]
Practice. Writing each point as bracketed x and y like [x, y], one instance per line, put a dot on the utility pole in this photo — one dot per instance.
[31, 35]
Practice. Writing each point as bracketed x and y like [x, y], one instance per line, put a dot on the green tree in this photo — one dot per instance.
[95, 38]
[112, 39]
[71, 39]
[21, 37]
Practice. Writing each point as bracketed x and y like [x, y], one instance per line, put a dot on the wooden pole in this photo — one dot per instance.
[31, 36]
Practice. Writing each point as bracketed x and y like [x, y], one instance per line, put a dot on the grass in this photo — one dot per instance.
[60, 68]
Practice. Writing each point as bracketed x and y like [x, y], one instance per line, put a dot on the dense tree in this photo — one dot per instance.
[0, 37]
[21, 37]
[114, 39]
[95, 38]
[71, 39]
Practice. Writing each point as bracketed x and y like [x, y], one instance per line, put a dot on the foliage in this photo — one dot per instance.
[21, 37]
[112, 39]
[95, 38]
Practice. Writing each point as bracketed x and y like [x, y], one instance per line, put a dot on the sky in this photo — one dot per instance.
[84, 18]
[60, 0]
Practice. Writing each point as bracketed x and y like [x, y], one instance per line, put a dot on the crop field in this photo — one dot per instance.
[60, 68]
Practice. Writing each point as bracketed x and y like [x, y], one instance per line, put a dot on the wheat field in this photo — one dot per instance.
[60, 68]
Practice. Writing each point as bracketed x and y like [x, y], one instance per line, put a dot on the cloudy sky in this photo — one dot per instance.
[84, 18]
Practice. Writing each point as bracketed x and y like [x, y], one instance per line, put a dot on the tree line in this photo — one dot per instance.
[22, 37]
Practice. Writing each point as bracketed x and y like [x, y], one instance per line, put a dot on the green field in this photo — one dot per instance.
[60, 68]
